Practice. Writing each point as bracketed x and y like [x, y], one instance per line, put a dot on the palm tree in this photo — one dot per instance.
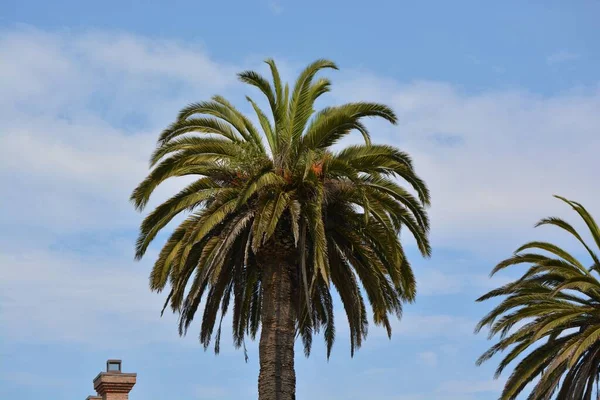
[555, 306]
[269, 229]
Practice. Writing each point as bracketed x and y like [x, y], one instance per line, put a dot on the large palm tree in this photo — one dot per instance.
[271, 227]
[554, 309]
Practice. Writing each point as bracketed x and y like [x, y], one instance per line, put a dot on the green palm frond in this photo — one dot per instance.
[557, 300]
[333, 123]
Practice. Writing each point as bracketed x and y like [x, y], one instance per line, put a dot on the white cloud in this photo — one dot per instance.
[204, 392]
[427, 358]
[562, 57]
[379, 371]
[449, 350]
[432, 395]
[70, 72]
[470, 387]
[418, 326]
[80, 112]
[275, 6]
[516, 150]
[99, 299]
[38, 69]
[457, 390]
[74, 101]
[68, 101]
[27, 379]
[427, 326]
[95, 302]
[433, 282]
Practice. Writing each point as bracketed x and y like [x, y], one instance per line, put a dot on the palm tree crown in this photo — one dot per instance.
[338, 214]
[555, 306]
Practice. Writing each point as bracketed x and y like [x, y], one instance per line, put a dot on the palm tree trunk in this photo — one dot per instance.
[277, 378]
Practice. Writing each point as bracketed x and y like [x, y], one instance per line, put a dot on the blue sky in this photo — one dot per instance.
[498, 104]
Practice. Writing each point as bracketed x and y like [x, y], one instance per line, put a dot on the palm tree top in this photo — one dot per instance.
[336, 216]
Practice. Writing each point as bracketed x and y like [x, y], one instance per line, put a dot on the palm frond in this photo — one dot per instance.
[556, 298]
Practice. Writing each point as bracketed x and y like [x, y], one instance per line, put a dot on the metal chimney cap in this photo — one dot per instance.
[113, 366]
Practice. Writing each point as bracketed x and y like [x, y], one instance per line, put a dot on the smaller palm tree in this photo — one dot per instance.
[555, 310]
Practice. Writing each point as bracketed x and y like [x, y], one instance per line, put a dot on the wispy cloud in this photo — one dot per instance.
[23, 378]
[203, 392]
[447, 140]
[66, 102]
[428, 326]
[275, 6]
[103, 303]
[415, 326]
[434, 282]
[562, 56]
[427, 358]
[79, 115]
[470, 386]
[479, 188]
[457, 390]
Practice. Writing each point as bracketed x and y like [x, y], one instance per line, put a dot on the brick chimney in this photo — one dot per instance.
[113, 384]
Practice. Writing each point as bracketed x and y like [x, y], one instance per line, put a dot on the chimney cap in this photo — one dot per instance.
[113, 366]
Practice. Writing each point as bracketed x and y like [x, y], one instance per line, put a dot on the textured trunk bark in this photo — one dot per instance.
[277, 378]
